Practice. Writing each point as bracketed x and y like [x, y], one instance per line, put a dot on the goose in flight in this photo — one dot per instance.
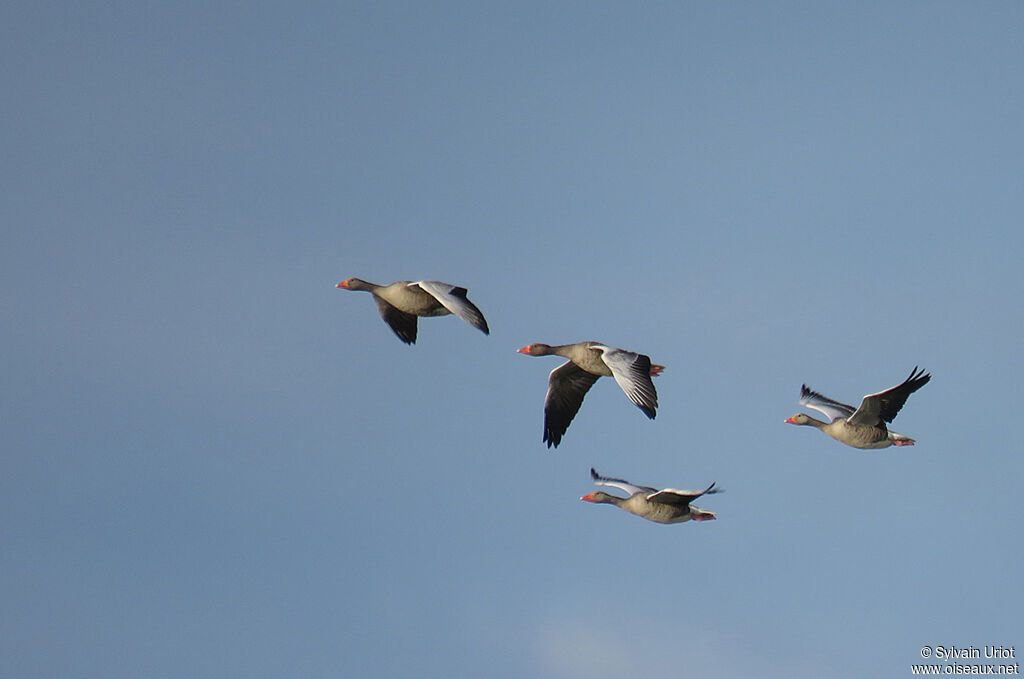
[862, 427]
[668, 505]
[569, 383]
[402, 301]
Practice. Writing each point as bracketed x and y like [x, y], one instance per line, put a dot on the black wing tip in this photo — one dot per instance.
[650, 412]
[402, 333]
[594, 475]
[917, 379]
[919, 376]
[476, 319]
[552, 435]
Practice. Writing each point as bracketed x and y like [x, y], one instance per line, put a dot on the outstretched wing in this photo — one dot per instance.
[823, 404]
[633, 373]
[621, 484]
[674, 496]
[454, 299]
[567, 385]
[403, 324]
[885, 405]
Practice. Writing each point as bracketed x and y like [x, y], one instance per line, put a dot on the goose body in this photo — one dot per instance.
[569, 383]
[669, 505]
[863, 427]
[402, 302]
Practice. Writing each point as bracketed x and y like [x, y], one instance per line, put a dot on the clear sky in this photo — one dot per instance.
[215, 464]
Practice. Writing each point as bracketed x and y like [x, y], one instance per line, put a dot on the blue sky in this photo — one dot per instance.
[214, 463]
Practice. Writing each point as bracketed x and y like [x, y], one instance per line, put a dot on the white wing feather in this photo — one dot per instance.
[826, 406]
[632, 372]
[453, 298]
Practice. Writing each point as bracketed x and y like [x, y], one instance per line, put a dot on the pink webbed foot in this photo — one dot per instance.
[903, 442]
[656, 369]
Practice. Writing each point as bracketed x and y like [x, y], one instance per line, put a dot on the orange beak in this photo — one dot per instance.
[524, 350]
[789, 420]
[343, 284]
[589, 497]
